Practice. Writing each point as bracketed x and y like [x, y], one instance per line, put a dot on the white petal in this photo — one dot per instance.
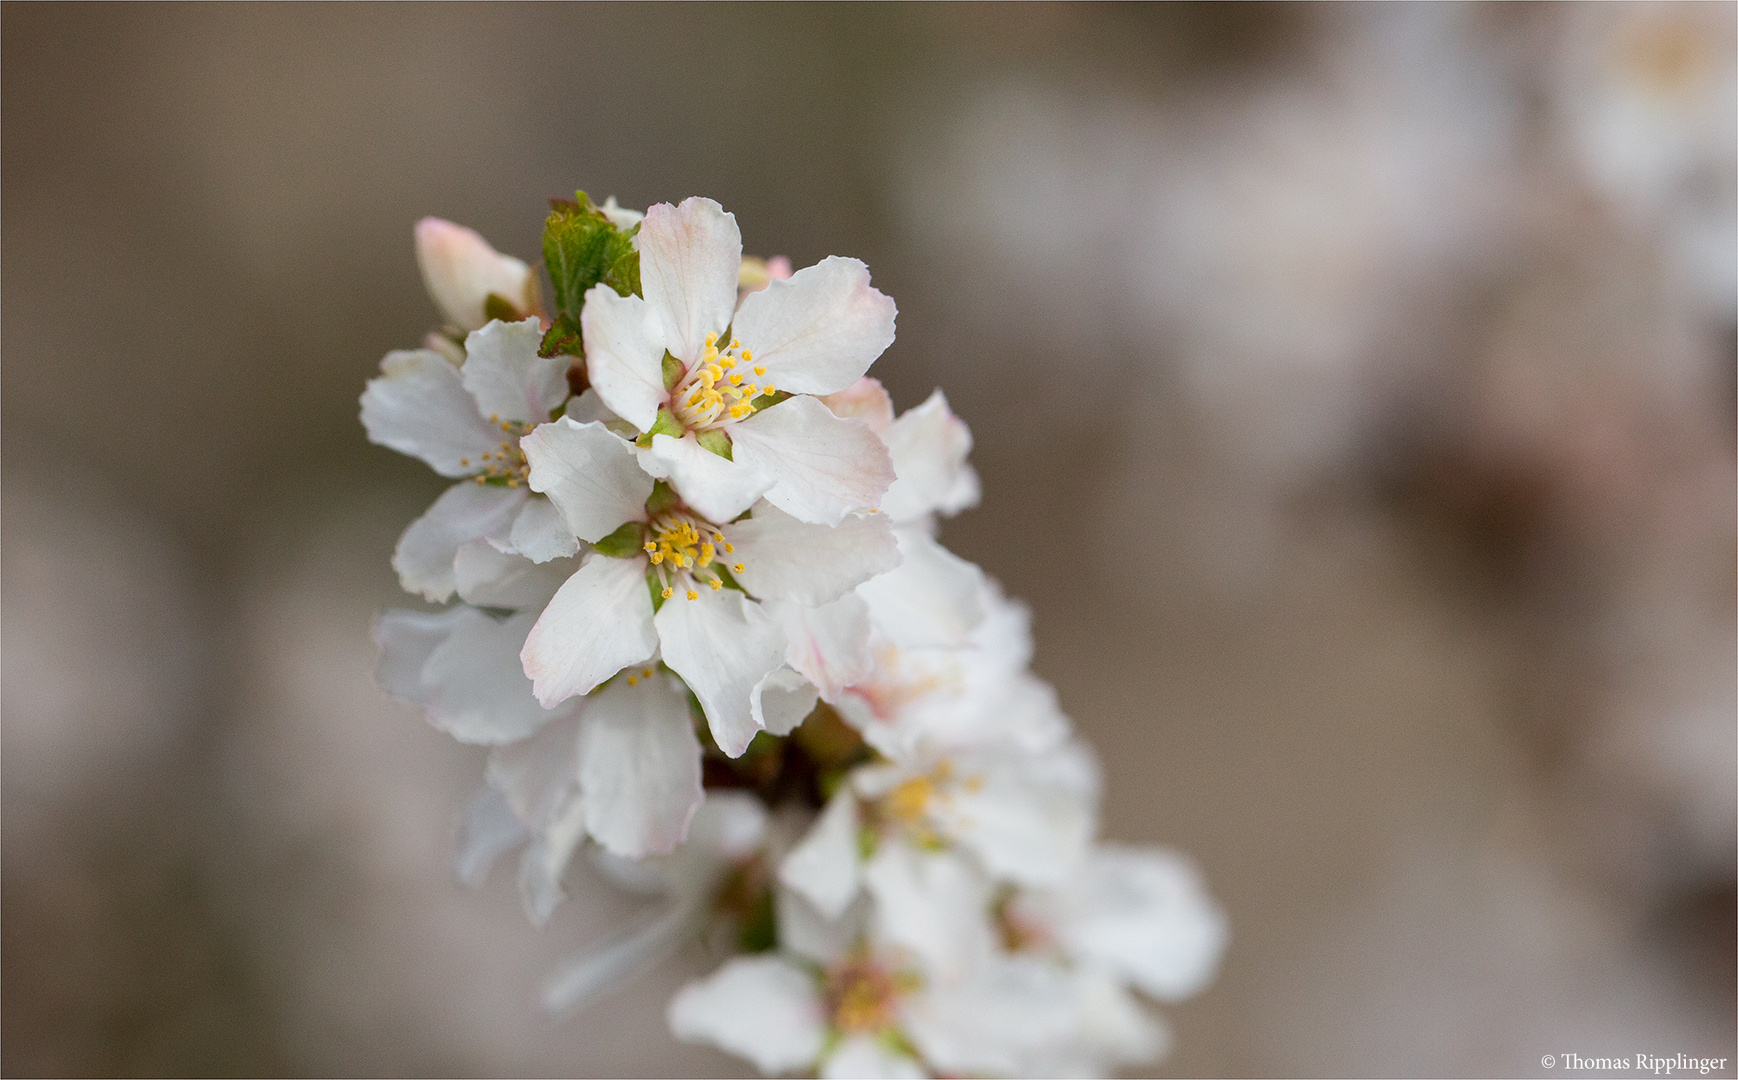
[539, 776]
[864, 1057]
[823, 867]
[465, 512]
[719, 489]
[865, 400]
[1116, 1028]
[805, 931]
[729, 826]
[1008, 1013]
[828, 645]
[476, 690]
[817, 331]
[639, 767]
[929, 446]
[506, 376]
[589, 474]
[689, 255]
[643, 944]
[489, 577]
[721, 645]
[624, 355]
[1029, 819]
[762, 1008]
[786, 559]
[781, 701]
[599, 622]
[823, 467]
[588, 407]
[540, 533]
[546, 859]
[406, 640]
[461, 269]
[932, 599]
[457, 664]
[419, 406]
[933, 904]
[1146, 913]
[489, 829]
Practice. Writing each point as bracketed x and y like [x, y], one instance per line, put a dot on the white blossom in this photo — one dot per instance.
[462, 271]
[698, 375]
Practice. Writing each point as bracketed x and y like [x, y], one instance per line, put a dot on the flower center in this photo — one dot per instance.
[506, 465]
[862, 996]
[717, 390]
[686, 552]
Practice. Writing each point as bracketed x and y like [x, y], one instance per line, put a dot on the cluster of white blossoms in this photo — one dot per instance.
[704, 623]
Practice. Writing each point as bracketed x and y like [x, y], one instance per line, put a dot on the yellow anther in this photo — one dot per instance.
[705, 554]
[729, 549]
[718, 537]
[716, 584]
[735, 379]
[738, 567]
[692, 595]
[646, 673]
[736, 343]
[759, 369]
[668, 592]
[711, 340]
[633, 680]
[464, 461]
[649, 546]
[494, 418]
[657, 556]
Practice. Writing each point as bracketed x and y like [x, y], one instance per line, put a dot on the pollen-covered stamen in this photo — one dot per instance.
[505, 464]
[862, 996]
[719, 388]
[685, 551]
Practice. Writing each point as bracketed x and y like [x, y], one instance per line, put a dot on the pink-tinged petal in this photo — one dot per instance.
[540, 533]
[929, 446]
[824, 867]
[624, 355]
[828, 645]
[461, 269]
[597, 624]
[932, 599]
[589, 474]
[818, 331]
[1146, 914]
[865, 400]
[721, 645]
[462, 667]
[509, 380]
[762, 1008]
[489, 577]
[419, 406]
[689, 255]
[786, 559]
[465, 512]
[781, 701]
[639, 767]
[717, 488]
[822, 467]
[865, 1057]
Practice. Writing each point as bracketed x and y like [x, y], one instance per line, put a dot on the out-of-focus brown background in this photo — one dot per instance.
[1353, 391]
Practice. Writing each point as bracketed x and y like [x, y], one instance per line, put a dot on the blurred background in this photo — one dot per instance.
[1354, 394]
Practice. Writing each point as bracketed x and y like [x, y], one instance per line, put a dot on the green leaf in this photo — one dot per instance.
[673, 371]
[582, 248]
[624, 543]
[496, 306]
[661, 499]
[562, 339]
[716, 441]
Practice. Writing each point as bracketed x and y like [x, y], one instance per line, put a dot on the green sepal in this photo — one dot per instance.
[867, 842]
[496, 306]
[583, 248]
[759, 930]
[661, 499]
[665, 424]
[656, 585]
[673, 370]
[625, 542]
[767, 401]
[716, 441]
